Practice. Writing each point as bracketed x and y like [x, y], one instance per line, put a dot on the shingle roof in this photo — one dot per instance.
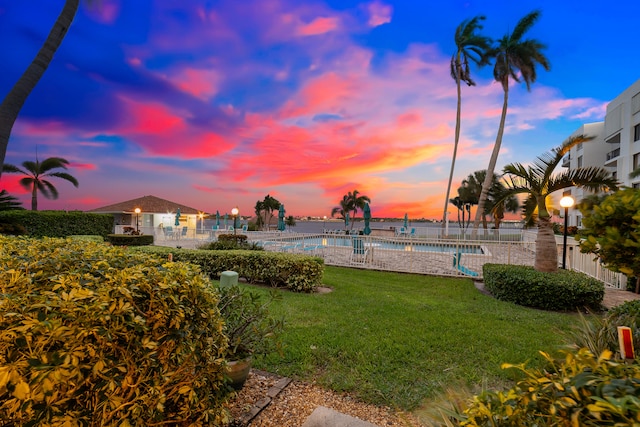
[147, 204]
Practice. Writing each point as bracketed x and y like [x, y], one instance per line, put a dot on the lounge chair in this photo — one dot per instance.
[184, 232]
[245, 227]
[402, 232]
[360, 251]
[413, 232]
[456, 263]
[168, 232]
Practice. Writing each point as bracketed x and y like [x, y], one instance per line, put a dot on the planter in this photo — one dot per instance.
[238, 372]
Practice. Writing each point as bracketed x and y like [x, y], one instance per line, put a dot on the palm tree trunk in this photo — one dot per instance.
[34, 197]
[15, 99]
[492, 163]
[546, 248]
[455, 143]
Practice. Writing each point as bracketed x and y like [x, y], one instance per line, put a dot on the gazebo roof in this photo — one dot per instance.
[147, 204]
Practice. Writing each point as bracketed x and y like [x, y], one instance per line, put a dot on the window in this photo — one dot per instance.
[579, 146]
[579, 161]
[579, 221]
[636, 185]
[636, 132]
[636, 161]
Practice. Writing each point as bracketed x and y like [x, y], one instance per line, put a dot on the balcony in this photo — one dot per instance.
[613, 154]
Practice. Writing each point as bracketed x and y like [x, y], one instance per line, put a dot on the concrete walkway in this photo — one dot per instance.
[326, 417]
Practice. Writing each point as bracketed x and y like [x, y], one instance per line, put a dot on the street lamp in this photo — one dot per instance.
[137, 211]
[566, 202]
[324, 224]
[201, 215]
[235, 212]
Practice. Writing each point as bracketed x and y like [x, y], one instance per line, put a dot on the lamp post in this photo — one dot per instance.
[201, 215]
[324, 224]
[137, 211]
[235, 212]
[566, 202]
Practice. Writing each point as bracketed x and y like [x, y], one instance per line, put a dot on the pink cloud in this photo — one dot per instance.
[379, 13]
[319, 25]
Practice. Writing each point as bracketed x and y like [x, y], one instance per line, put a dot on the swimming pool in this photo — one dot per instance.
[404, 245]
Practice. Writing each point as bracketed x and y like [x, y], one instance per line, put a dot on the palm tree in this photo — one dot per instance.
[8, 202]
[15, 99]
[37, 172]
[538, 182]
[514, 59]
[342, 209]
[470, 46]
[356, 202]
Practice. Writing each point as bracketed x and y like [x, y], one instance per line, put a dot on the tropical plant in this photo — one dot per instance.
[610, 231]
[8, 202]
[15, 99]
[266, 207]
[37, 172]
[460, 204]
[351, 202]
[470, 47]
[538, 182]
[515, 59]
[290, 221]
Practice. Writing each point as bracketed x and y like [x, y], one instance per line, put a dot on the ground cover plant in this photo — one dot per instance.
[398, 339]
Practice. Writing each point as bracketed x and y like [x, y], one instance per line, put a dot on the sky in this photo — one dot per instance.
[215, 104]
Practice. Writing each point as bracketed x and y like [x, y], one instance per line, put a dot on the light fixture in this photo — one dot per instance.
[566, 202]
[235, 211]
[137, 211]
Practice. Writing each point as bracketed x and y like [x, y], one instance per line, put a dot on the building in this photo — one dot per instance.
[155, 213]
[616, 146]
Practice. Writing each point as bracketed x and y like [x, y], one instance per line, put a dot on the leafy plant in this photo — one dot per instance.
[247, 323]
[95, 335]
[579, 390]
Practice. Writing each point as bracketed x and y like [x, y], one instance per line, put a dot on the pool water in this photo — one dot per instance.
[400, 246]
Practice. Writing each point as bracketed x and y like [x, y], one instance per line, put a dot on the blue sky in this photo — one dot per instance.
[215, 104]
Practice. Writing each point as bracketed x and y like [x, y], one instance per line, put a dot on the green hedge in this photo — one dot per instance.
[130, 240]
[95, 335]
[563, 290]
[298, 273]
[59, 223]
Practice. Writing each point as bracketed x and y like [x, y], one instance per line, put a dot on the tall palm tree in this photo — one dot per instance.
[538, 182]
[515, 59]
[37, 172]
[356, 201]
[15, 99]
[342, 209]
[473, 47]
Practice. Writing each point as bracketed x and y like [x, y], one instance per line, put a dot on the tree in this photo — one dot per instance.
[356, 202]
[266, 207]
[342, 209]
[538, 182]
[8, 202]
[473, 47]
[515, 58]
[36, 174]
[610, 231]
[15, 99]
[290, 221]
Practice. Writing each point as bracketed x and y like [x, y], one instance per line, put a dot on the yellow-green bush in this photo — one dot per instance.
[579, 390]
[94, 335]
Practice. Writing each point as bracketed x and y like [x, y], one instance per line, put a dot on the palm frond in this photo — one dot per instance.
[48, 190]
[593, 178]
[12, 169]
[65, 176]
[525, 24]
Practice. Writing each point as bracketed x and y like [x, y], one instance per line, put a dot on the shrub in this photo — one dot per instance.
[59, 223]
[94, 335]
[227, 245]
[562, 290]
[238, 239]
[580, 390]
[12, 229]
[296, 272]
[88, 238]
[130, 240]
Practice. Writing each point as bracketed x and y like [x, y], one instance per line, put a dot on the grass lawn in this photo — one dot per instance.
[399, 339]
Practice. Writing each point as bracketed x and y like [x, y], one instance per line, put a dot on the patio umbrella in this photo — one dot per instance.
[177, 223]
[281, 218]
[217, 219]
[226, 217]
[367, 217]
[346, 220]
[406, 221]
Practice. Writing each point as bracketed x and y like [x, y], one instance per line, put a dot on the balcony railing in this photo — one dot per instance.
[613, 154]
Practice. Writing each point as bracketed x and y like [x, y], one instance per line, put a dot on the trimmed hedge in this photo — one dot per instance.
[59, 223]
[563, 290]
[95, 335]
[130, 240]
[298, 273]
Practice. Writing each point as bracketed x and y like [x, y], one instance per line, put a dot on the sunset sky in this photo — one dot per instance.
[214, 104]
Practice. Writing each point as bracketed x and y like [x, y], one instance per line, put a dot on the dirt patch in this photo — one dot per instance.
[323, 289]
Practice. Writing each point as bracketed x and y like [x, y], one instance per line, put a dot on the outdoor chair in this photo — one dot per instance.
[245, 227]
[457, 257]
[413, 233]
[168, 232]
[184, 232]
[402, 232]
[360, 251]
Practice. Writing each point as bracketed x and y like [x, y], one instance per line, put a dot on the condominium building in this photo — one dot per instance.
[616, 145]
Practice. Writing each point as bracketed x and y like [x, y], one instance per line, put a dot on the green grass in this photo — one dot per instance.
[399, 339]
